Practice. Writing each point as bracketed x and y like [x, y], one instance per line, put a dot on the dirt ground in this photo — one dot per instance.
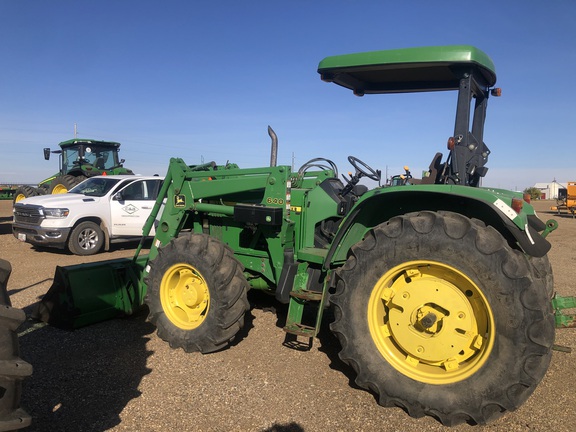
[119, 376]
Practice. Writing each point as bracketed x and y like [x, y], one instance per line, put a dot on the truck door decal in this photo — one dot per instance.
[130, 209]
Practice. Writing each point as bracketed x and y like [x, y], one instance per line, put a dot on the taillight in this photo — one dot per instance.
[527, 198]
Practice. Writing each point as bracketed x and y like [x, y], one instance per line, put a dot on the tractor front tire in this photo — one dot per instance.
[63, 184]
[439, 316]
[24, 192]
[197, 293]
[87, 238]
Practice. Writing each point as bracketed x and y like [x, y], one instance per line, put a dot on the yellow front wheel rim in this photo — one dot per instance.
[185, 296]
[431, 322]
[59, 189]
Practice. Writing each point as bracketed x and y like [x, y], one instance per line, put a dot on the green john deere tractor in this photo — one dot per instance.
[440, 288]
[78, 160]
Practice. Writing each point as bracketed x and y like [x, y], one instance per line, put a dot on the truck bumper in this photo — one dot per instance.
[39, 236]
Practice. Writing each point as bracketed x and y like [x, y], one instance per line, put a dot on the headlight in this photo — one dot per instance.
[56, 213]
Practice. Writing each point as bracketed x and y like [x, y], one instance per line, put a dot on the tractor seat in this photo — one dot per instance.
[99, 163]
[435, 169]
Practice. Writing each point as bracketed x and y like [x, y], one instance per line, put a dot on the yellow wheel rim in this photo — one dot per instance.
[431, 322]
[19, 197]
[185, 296]
[59, 189]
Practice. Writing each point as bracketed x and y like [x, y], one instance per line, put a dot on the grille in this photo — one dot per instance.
[28, 214]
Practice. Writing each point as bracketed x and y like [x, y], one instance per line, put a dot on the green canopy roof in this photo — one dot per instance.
[408, 70]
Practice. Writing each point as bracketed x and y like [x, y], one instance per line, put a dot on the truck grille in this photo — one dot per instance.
[28, 214]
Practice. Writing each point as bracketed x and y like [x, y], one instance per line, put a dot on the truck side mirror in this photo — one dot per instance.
[46, 153]
[118, 196]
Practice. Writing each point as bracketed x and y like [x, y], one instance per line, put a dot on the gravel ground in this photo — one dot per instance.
[119, 376]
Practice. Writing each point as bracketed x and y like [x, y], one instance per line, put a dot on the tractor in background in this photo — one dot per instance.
[78, 160]
[440, 289]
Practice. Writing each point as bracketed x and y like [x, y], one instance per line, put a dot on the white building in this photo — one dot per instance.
[550, 190]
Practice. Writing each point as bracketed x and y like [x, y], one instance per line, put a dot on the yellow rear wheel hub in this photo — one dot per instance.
[185, 296]
[431, 322]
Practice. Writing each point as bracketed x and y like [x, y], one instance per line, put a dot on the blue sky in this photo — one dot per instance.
[203, 80]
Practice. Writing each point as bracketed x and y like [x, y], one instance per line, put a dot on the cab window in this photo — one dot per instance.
[142, 190]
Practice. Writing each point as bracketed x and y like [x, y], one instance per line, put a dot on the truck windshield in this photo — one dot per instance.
[95, 186]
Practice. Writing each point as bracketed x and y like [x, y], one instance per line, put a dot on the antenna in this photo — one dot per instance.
[75, 131]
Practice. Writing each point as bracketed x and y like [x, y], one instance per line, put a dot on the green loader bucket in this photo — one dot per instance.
[85, 294]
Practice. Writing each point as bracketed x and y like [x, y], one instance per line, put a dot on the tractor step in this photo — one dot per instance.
[300, 330]
[304, 313]
[307, 295]
[559, 304]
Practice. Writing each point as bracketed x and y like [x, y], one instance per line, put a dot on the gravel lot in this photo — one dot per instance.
[119, 376]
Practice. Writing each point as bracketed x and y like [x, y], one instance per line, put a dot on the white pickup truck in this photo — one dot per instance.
[95, 213]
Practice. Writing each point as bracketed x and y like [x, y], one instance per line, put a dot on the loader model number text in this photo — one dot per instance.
[278, 201]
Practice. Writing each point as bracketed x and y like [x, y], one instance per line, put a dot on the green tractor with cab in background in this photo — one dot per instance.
[78, 160]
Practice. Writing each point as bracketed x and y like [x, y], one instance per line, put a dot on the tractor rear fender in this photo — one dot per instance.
[490, 206]
[48, 180]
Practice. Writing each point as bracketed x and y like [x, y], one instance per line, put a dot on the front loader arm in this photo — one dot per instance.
[175, 201]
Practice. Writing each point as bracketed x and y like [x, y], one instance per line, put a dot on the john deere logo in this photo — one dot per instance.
[180, 201]
[130, 209]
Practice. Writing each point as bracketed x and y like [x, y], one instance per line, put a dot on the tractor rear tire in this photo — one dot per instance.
[197, 293]
[24, 192]
[63, 184]
[542, 273]
[12, 369]
[439, 316]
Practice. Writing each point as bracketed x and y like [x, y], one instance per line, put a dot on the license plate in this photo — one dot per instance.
[21, 236]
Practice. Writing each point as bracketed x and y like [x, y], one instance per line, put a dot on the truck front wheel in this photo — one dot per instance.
[86, 239]
[197, 294]
[439, 316]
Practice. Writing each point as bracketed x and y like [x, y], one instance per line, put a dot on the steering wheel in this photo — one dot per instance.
[364, 169]
[318, 163]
